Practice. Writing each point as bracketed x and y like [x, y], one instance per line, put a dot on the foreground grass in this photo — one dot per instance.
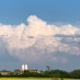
[32, 79]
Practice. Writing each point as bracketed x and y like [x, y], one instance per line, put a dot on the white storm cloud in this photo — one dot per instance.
[37, 41]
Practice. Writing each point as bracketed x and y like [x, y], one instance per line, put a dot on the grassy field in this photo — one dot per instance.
[32, 79]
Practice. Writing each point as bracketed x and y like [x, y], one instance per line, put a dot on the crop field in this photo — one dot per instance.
[32, 79]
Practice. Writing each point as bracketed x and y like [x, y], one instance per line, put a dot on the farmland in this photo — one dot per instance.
[32, 79]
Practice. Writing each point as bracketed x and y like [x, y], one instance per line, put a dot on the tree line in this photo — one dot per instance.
[46, 74]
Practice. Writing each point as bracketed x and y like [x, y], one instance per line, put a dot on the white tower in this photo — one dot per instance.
[26, 67]
[22, 67]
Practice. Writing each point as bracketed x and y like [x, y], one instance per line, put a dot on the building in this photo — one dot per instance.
[24, 67]
[31, 70]
[5, 73]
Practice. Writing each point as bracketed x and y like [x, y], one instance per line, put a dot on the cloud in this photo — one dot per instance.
[38, 40]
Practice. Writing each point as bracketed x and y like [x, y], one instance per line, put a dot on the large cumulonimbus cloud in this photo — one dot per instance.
[38, 41]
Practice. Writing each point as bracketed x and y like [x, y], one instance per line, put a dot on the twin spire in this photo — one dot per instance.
[24, 67]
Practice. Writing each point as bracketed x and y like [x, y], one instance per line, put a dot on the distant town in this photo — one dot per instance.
[17, 71]
[48, 73]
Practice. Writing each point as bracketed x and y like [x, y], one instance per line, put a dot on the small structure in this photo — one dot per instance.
[31, 70]
[5, 73]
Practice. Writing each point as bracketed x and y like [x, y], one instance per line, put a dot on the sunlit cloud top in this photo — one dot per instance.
[38, 41]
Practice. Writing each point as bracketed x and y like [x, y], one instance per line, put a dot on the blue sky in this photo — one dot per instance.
[16, 11]
[50, 12]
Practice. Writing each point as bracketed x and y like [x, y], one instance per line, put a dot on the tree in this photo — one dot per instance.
[16, 70]
[36, 70]
[4, 70]
[48, 68]
[26, 71]
[41, 71]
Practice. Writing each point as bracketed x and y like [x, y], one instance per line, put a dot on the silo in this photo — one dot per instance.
[26, 67]
[22, 67]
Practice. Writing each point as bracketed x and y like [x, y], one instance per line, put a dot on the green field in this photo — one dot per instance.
[32, 79]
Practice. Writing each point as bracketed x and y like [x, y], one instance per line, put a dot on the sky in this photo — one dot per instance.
[40, 33]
